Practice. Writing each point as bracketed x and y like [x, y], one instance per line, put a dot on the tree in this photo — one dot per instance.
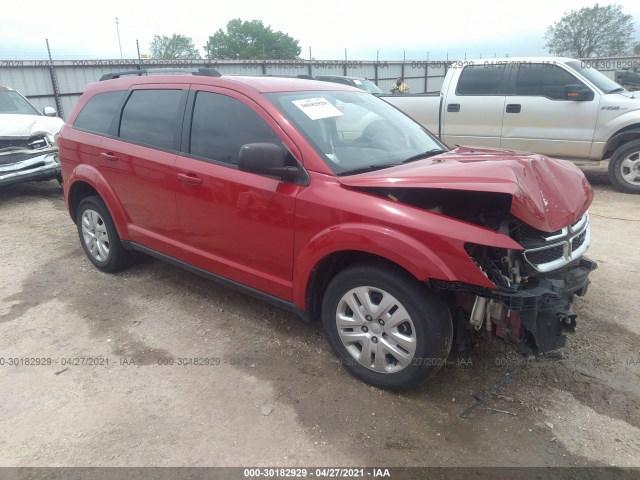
[591, 31]
[175, 46]
[251, 40]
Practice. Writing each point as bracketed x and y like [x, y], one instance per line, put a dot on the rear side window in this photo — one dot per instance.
[221, 125]
[97, 114]
[543, 80]
[152, 117]
[480, 80]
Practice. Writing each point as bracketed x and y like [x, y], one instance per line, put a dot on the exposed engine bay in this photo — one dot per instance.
[531, 307]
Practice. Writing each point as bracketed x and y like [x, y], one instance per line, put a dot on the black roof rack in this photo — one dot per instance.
[206, 72]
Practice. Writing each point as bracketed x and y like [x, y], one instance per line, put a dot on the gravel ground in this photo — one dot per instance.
[273, 393]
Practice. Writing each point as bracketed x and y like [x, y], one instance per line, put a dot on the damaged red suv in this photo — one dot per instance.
[327, 201]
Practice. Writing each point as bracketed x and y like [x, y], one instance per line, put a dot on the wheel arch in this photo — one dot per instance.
[442, 258]
[330, 266]
[87, 181]
[622, 136]
[77, 192]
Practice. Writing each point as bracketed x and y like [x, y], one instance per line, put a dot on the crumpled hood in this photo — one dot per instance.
[23, 126]
[547, 194]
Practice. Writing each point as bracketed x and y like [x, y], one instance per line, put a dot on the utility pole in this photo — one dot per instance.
[119, 43]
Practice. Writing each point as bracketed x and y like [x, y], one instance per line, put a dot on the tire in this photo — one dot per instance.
[99, 237]
[387, 328]
[624, 167]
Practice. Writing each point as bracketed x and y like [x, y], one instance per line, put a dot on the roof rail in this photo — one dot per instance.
[303, 76]
[206, 72]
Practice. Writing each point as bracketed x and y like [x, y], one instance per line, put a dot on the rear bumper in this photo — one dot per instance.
[38, 168]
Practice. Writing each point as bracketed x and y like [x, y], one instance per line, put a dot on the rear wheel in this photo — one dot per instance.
[387, 328]
[99, 237]
[624, 167]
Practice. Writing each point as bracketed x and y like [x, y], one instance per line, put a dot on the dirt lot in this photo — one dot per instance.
[274, 393]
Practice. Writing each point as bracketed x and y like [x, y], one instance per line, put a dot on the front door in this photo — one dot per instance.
[538, 118]
[236, 224]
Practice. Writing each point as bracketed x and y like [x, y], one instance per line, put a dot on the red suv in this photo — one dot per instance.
[327, 201]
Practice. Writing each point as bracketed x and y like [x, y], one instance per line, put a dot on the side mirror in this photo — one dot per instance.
[578, 93]
[266, 159]
[49, 112]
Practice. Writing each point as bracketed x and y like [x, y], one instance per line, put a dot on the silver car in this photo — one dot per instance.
[28, 148]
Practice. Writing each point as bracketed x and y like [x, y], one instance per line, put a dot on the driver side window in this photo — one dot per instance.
[543, 80]
[221, 125]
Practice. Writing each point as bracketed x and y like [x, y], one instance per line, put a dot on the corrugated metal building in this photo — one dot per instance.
[60, 83]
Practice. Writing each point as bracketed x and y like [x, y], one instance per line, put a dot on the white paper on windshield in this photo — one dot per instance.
[317, 108]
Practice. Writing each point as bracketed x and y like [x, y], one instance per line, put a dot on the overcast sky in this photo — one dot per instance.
[84, 30]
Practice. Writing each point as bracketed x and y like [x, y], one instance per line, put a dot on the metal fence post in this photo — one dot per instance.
[54, 83]
[344, 67]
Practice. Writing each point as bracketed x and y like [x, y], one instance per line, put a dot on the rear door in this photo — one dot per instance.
[237, 224]
[132, 137]
[472, 114]
[139, 164]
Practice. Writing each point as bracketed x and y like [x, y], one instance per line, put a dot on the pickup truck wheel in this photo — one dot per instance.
[387, 328]
[99, 237]
[624, 167]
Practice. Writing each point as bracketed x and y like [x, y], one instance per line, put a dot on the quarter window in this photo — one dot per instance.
[97, 114]
[222, 125]
[151, 117]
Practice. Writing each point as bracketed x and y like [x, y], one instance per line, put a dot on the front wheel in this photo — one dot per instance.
[386, 327]
[624, 167]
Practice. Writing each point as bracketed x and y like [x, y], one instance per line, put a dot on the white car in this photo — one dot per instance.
[28, 147]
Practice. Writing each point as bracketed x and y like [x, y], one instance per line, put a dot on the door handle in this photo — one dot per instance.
[189, 179]
[513, 108]
[453, 107]
[108, 156]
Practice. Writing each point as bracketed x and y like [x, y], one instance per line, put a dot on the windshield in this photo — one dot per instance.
[594, 76]
[355, 132]
[14, 103]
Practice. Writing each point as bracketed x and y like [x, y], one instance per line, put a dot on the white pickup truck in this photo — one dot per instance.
[559, 107]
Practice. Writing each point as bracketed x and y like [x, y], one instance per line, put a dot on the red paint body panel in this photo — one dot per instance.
[426, 244]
